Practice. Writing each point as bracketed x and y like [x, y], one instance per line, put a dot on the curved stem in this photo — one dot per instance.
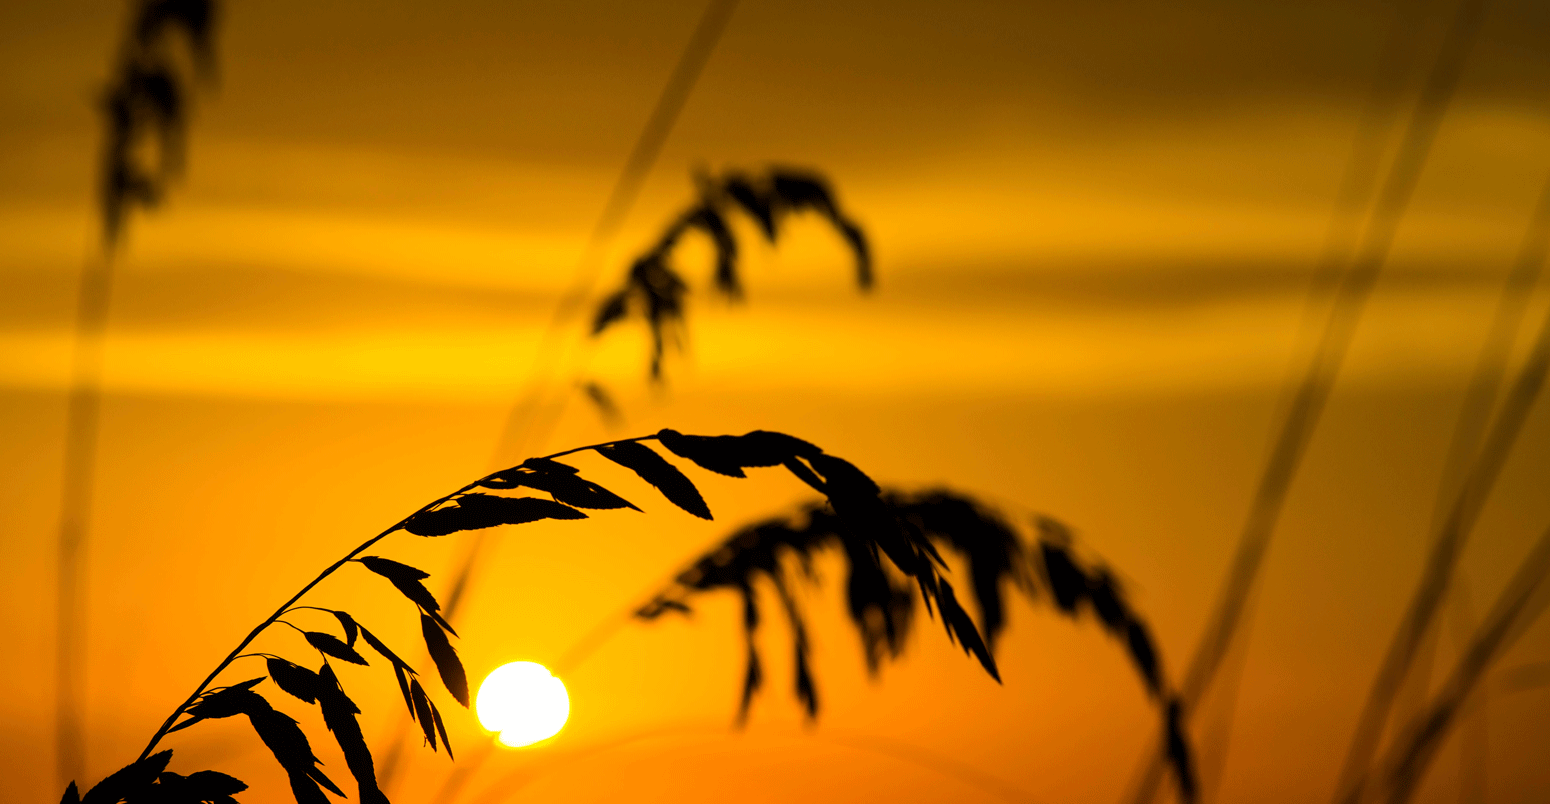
[309, 608]
[287, 605]
[636, 440]
[259, 629]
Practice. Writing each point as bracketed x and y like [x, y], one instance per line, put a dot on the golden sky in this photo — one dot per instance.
[1094, 228]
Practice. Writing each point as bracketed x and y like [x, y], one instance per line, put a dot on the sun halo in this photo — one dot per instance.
[522, 701]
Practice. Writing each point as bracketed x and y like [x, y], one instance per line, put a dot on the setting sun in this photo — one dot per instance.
[524, 702]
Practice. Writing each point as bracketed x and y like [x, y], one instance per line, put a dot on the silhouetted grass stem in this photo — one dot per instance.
[1444, 555]
[236, 652]
[522, 422]
[80, 459]
[1515, 608]
[1465, 485]
[1313, 392]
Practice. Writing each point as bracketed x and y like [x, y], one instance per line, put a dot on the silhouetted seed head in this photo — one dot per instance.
[146, 102]
[888, 539]
[880, 604]
[655, 289]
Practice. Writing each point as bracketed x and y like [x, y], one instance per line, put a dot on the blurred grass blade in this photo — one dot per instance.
[1307, 406]
[1523, 599]
[1443, 557]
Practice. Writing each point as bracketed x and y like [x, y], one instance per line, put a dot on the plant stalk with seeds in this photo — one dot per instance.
[887, 542]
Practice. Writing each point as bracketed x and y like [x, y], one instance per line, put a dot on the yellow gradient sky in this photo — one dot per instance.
[1094, 227]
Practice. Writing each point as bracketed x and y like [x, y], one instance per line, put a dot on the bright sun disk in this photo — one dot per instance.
[524, 702]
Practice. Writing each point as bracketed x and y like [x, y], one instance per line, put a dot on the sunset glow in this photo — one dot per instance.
[1205, 343]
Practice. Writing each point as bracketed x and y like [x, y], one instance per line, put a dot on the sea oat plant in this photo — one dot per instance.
[881, 606]
[875, 534]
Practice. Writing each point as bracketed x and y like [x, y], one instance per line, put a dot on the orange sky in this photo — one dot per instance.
[1094, 228]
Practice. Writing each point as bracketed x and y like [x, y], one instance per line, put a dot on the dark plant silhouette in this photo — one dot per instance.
[147, 102]
[145, 114]
[881, 605]
[1397, 775]
[1395, 778]
[862, 518]
[657, 291]
[528, 417]
[1354, 278]
[1482, 445]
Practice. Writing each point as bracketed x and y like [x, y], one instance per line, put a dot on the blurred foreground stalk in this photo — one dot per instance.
[145, 109]
[1354, 287]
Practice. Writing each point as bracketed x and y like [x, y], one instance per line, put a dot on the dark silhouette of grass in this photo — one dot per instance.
[770, 199]
[529, 419]
[1418, 636]
[881, 607]
[1475, 728]
[1350, 295]
[1438, 90]
[1466, 507]
[863, 520]
[145, 109]
[148, 102]
[1400, 771]
[657, 291]
[653, 285]
[534, 415]
[526, 417]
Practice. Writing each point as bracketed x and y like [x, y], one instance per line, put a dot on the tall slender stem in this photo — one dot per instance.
[1407, 669]
[1307, 406]
[1522, 600]
[81, 431]
[1443, 558]
[524, 420]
